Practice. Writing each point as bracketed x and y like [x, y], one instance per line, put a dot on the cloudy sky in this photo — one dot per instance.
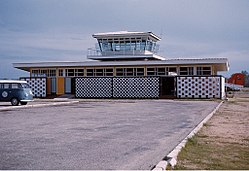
[60, 30]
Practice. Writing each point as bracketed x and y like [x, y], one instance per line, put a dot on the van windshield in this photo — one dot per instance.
[24, 85]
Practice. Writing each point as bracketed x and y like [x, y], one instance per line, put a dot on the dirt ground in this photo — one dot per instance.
[223, 143]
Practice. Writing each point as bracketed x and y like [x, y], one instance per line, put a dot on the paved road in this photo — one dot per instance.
[111, 134]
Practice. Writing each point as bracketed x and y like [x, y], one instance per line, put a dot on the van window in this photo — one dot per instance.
[15, 86]
[25, 85]
[6, 86]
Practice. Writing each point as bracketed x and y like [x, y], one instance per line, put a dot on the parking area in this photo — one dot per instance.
[101, 134]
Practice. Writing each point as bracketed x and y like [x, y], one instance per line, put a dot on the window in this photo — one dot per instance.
[119, 72]
[139, 71]
[74, 72]
[6, 86]
[127, 46]
[24, 85]
[129, 71]
[43, 72]
[69, 72]
[15, 86]
[151, 71]
[79, 72]
[117, 46]
[133, 45]
[122, 45]
[35, 73]
[138, 45]
[109, 72]
[61, 72]
[162, 71]
[99, 72]
[172, 71]
[89, 72]
[204, 71]
[52, 73]
[186, 70]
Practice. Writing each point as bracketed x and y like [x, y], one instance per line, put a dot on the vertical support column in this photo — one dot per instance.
[48, 86]
[60, 89]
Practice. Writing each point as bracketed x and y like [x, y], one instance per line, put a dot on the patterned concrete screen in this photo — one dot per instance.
[223, 91]
[200, 87]
[93, 87]
[141, 87]
[38, 86]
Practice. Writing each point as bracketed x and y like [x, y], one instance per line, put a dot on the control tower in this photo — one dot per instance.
[125, 46]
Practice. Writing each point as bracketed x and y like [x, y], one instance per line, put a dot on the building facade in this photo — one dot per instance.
[126, 65]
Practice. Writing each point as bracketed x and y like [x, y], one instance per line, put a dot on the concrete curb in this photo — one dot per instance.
[171, 158]
[38, 105]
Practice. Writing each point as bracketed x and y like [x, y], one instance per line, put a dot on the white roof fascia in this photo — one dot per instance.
[149, 56]
[193, 61]
[125, 34]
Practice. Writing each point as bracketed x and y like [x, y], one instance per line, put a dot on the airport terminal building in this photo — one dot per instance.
[126, 65]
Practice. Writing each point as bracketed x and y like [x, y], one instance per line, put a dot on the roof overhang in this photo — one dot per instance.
[125, 34]
[147, 55]
[221, 64]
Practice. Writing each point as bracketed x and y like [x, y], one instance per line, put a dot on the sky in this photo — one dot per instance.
[61, 30]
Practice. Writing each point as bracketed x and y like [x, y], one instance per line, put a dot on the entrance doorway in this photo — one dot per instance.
[53, 85]
[167, 87]
[69, 85]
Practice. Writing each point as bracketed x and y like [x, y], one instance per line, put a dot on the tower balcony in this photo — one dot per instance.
[96, 54]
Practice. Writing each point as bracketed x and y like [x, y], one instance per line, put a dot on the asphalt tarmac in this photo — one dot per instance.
[101, 134]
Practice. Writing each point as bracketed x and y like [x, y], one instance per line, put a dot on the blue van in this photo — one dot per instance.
[15, 91]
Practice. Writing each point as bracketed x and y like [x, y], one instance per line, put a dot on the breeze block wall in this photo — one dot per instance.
[115, 87]
[93, 87]
[200, 87]
[38, 85]
[136, 87]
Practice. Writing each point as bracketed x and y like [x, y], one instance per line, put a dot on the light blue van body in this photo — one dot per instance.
[15, 91]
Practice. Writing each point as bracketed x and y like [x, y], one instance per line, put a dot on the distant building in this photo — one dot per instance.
[126, 65]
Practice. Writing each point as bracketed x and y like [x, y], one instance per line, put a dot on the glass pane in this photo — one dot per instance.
[172, 69]
[89, 72]
[140, 72]
[99, 72]
[15, 86]
[161, 71]
[129, 72]
[6, 86]
[24, 85]
[119, 72]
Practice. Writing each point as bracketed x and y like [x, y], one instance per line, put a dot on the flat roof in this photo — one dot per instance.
[125, 34]
[221, 63]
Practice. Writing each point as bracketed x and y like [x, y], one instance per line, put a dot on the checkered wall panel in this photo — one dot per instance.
[142, 87]
[38, 86]
[94, 87]
[199, 87]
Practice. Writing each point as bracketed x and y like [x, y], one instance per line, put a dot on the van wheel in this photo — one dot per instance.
[14, 102]
[24, 103]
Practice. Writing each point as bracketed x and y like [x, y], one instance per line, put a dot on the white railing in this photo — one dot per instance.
[97, 53]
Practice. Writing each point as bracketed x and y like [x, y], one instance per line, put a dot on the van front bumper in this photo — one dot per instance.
[26, 100]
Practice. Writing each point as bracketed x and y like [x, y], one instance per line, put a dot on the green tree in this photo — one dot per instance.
[245, 72]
